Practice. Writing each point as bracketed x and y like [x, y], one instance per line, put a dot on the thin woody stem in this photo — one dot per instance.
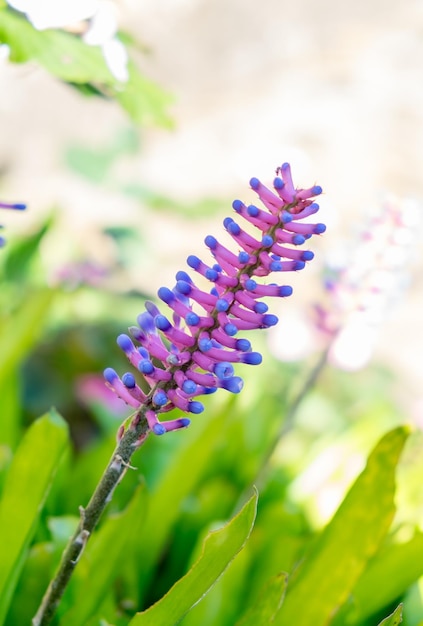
[114, 472]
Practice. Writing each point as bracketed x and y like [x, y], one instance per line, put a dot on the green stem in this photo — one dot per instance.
[288, 422]
[114, 472]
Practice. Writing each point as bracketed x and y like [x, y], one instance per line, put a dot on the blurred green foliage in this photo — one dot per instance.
[147, 562]
[331, 539]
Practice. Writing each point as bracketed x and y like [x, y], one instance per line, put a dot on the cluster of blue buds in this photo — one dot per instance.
[194, 354]
[18, 207]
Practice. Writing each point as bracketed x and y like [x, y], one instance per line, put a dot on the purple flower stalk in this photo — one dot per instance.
[194, 354]
[18, 207]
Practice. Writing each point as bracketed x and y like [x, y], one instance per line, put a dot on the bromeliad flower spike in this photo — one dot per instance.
[193, 354]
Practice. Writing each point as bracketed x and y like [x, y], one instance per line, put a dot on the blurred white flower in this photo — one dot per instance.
[363, 290]
[56, 13]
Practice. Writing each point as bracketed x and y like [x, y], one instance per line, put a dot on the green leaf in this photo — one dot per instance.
[26, 487]
[103, 561]
[22, 253]
[220, 548]
[18, 332]
[143, 100]
[268, 604]
[10, 425]
[328, 574]
[68, 58]
[386, 578]
[62, 54]
[182, 472]
[394, 619]
[32, 584]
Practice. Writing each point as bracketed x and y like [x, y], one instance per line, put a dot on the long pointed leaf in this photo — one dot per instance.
[26, 487]
[394, 619]
[220, 548]
[329, 573]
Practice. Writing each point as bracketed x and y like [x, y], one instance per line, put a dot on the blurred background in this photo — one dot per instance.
[128, 128]
[336, 89]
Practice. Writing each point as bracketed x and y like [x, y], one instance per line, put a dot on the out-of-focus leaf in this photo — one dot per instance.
[62, 54]
[25, 490]
[70, 59]
[204, 207]
[386, 578]
[32, 584]
[330, 571]
[10, 408]
[21, 254]
[144, 101]
[394, 619]
[183, 471]
[270, 599]
[18, 332]
[220, 548]
[103, 561]
[95, 164]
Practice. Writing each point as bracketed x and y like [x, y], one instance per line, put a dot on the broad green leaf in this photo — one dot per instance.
[69, 58]
[270, 600]
[62, 54]
[10, 423]
[103, 561]
[386, 578]
[18, 332]
[22, 253]
[26, 487]
[330, 571]
[220, 548]
[32, 584]
[394, 619]
[182, 472]
[224, 601]
[143, 100]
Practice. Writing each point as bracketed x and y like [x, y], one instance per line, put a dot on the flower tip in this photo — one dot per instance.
[234, 384]
[316, 190]
[159, 429]
[110, 375]
[269, 320]
[160, 398]
[211, 242]
[298, 240]
[252, 358]
[162, 323]
[223, 370]
[125, 343]
[319, 229]
[128, 380]
[195, 407]
[18, 206]
[193, 261]
[285, 291]
[254, 183]
[166, 295]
